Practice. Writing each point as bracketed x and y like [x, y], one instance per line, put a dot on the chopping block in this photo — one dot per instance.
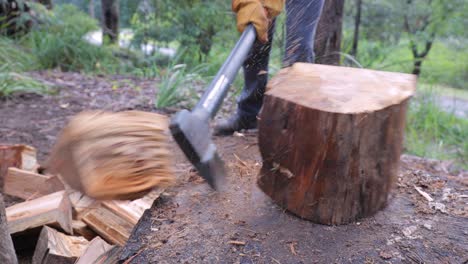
[331, 139]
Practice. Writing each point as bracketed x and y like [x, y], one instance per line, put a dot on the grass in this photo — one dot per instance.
[11, 83]
[434, 133]
[176, 84]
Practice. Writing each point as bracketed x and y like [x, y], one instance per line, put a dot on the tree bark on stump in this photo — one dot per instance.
[331, 139]
[7, 251]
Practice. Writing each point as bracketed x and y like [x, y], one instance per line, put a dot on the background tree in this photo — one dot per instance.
[357, 24]
[327, 44]
[110, 20]
[423, 19]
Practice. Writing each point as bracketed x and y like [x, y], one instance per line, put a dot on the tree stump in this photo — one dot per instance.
[331, 139]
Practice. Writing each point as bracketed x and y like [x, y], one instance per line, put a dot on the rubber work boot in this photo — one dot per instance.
[234, 123]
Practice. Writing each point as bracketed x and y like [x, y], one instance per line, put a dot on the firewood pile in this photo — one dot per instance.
[65, 225]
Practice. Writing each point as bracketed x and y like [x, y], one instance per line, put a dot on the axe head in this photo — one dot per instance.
[192, 133]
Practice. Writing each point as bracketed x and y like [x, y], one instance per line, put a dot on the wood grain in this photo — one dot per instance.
[53, 209]
[30, 185]
[57, 248]
[108, 225]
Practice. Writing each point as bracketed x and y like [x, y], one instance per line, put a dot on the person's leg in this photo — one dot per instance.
[302, 17]
[255, 77]
[250, 101]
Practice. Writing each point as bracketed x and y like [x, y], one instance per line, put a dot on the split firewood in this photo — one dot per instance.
[132, 211]
[111, 256]
[18, 156]
[55, 247]
[82, 229]
[111, 227]
[81, 203]
[7, 251]
[96, 248]
[53, 209]
[331, 139]
[29, 185]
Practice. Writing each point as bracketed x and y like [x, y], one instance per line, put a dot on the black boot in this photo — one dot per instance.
[234, 123]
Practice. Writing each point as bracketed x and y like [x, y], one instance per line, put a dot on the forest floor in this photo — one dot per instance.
[192, 224]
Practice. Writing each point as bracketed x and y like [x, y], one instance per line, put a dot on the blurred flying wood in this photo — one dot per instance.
[96, 248]
[110, 156]
[53, 209]
[7, 251]
[18, 156]
[111, 227]
[29, 185]
[82, 229]
[58, 248]
[331, 139]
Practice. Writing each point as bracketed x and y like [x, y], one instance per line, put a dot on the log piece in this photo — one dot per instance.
[331, 139]
[53, 209]
[108, 225]
[132, 211]
[96, 248]
[81, 203]
[7, 251]
[57, 248]
[29, 185]
[82, 229]
[18, 156]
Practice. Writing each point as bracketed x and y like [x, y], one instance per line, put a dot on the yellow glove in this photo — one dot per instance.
[257, 12]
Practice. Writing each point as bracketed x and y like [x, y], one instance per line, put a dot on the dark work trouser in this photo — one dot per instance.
[301, 22]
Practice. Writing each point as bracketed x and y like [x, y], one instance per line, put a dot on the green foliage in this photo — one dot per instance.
[193, 24]
[11, 83]
[15, 58]
[59, 42]
[434, 133]
[176, 83]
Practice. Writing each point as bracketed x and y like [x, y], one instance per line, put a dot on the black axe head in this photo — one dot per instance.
[192, 133]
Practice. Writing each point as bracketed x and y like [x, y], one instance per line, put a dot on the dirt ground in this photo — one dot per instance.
[192, 224]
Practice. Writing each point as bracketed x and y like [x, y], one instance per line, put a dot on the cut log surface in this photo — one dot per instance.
[96, 248]
[29, 185]
[57, 248]
[331, 139]
[108, 225]
[18, 156]
[53, 209]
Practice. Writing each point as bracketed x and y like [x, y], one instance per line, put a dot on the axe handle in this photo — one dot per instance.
[214, 95]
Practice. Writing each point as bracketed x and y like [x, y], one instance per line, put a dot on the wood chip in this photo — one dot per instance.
[293, 250]
[237, 243]
[423, 193]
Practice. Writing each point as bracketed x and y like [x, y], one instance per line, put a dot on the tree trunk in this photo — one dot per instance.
[357, 24]
[331, 139]
[91, 9]
[110, 21]
[417, 66]
[7, 251]
[47, 3]
[327, 44]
